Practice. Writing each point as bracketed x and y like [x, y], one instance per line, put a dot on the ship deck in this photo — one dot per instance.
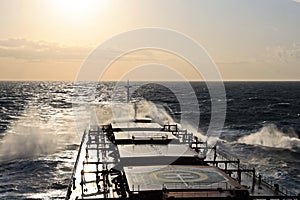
[143, 160]
[178, 177]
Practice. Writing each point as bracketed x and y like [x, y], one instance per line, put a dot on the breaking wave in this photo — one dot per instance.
[271, 136]
[109, 112]
[31, 136]
[153, 111]
[28, 142]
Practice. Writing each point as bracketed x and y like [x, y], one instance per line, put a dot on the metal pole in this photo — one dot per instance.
[253, 181]
[128, 92]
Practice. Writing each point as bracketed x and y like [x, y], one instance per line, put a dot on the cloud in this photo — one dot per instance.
[298, 1]
[20, 48]
[284, 53]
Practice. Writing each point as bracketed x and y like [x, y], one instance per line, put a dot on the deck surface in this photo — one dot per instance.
[174, 150]
[147, 178]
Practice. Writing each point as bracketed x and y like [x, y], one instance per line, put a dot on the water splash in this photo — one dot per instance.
[28, 142]
[156, 112]
[271, 136]
[145, 109]
[32, 136]
[191, 128]
[109, 112]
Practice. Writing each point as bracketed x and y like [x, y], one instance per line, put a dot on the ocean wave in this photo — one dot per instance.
[109, 112]
[33, 135]
[271, 136]
[31, 143]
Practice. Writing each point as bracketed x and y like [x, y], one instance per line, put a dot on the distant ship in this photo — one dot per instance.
[138, 159]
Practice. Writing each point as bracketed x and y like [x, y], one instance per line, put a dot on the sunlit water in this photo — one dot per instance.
[41, 124]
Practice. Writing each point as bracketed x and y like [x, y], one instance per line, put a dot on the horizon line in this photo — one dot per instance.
[228, 80]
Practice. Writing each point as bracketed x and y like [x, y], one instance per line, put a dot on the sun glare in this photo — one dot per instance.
[77, 9]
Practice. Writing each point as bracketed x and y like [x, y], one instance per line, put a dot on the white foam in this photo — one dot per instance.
[271, 136]
[32, 136]
[108, 112]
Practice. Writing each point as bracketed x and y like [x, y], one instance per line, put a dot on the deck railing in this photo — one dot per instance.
[72, 180]
[268, 182]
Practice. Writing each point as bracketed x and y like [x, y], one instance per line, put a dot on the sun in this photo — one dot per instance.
[77, 9]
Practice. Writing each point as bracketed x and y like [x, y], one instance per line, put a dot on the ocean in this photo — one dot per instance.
[41, 124]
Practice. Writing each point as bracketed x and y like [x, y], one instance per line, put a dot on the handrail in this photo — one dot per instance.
[269, 183]
[69, 191]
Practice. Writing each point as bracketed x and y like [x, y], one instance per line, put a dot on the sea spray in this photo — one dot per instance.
[28, 142]
[186, 125]
[109, 112]
[33, 136]
[156, 112]
[271, 136]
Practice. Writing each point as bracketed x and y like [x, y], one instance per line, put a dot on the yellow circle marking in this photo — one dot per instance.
[200, 176]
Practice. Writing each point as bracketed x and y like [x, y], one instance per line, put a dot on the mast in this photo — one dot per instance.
[128, 88]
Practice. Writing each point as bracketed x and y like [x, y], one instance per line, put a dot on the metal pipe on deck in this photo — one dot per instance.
[253, 180]
[215, 152]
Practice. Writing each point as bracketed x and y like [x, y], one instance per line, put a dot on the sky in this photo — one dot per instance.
[245, 39]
